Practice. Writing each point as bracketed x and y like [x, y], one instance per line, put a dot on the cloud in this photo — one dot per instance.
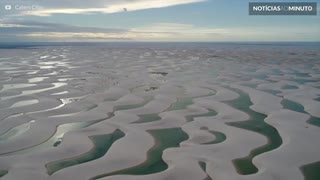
[33, 30]
[101, 6]
[184, 32]
[30, 30]
[40, 31]
[80, 36]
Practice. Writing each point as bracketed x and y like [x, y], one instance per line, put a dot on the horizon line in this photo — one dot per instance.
[42, 42]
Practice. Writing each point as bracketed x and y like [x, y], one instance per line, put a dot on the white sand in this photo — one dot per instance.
[43, 91]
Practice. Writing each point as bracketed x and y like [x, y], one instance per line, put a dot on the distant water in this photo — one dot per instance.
[23, 45]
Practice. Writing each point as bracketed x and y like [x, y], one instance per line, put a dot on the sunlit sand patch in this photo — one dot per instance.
[71, 99]
[28, 92]
[37, 79]
[24, 103]
[52, 73]
[33, 72]
[44, 57]
[47, 67]
[60, 93]
[43, 104]
[37, 111]
[7, 87]
[66, 79]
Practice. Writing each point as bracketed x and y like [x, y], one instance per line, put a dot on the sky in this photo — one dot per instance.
[149, 20]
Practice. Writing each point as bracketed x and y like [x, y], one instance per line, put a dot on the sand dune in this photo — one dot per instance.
[140, 113]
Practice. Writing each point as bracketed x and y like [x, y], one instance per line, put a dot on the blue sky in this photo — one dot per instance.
[150, 20]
